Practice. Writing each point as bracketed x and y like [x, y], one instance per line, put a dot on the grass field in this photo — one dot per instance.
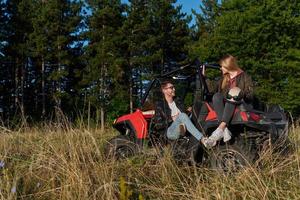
[55, 163]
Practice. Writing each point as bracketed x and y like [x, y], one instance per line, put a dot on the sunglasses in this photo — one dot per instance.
[171, 87]
[236, 98]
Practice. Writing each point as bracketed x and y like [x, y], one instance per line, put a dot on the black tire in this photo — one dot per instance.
[231, 158]
[186, 150]
[284, 147]
[121, 147]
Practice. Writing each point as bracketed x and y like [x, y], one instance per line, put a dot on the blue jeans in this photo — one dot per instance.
[173, 131]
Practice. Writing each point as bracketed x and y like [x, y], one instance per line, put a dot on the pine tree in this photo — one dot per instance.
[3, 21]
[18, 28]
[55, 24]
[103, 55]
[205, 24]
[171, 33]
[3, 27]
[136, 31]
[156, 34]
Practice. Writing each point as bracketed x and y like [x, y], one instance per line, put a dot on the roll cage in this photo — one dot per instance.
[194, 70]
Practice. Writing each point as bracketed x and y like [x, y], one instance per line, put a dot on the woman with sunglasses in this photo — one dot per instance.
[235, 87]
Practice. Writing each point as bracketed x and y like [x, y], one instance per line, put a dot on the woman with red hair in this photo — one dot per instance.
[235, 87]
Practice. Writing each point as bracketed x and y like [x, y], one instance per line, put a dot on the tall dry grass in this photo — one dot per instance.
[65, 163]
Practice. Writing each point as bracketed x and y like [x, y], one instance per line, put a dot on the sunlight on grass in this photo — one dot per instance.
[52, 163]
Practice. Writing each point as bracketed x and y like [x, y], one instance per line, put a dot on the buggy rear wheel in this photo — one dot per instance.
[230, 158]
[121, 147]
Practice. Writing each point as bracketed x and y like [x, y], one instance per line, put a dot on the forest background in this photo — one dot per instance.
[90, 58]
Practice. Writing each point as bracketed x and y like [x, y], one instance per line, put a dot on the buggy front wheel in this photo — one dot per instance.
[121, 147]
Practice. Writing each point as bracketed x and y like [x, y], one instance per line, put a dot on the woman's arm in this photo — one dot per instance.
[248, 88]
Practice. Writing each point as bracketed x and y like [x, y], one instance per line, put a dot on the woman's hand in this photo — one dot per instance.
[189, 109]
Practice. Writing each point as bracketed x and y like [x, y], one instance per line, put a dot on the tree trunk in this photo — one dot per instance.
[130, 84]
[102, 102]
[131, 94]
[16, 85]
[102, 119]
[102, 84]
[43, 90]
[21, 102]
[58, 82]
[141, 86]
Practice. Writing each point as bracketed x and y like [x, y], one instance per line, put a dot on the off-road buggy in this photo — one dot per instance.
[254, 127]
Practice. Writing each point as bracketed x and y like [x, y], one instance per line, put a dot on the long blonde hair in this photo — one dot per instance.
[229, 62]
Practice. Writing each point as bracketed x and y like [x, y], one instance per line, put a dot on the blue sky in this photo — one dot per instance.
[187, 6]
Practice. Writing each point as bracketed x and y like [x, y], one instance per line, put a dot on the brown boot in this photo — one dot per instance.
[182, 129]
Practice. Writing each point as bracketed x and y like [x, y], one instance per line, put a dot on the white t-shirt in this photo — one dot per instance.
[174, 110]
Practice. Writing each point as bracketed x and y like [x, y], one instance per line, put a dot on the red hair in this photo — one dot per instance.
[228, 62]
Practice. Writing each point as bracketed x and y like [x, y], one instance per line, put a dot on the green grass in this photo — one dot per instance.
[54, 163]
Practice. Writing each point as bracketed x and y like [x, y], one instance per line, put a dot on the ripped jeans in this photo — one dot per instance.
[173, 131]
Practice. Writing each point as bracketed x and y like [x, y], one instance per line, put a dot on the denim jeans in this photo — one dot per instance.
[173, 131]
